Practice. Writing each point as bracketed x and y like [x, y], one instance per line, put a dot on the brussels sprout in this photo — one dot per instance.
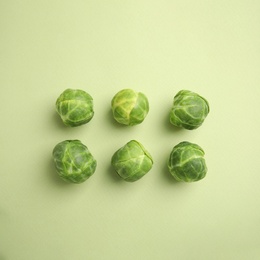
[129, 107]
[73, 161]
[189, 110]
[75, 107]
[132, 161]
[187, 163]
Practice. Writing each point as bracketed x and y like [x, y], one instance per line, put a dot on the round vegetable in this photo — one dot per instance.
[132, 161]
[75, 107]
[187, 163]
[73, 161]
[129, 107]
[189, 110]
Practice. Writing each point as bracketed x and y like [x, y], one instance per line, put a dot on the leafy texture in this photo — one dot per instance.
[187, 163]
[189, 110]
[132, 161]
[129, 107]
[73, 161]
[75, 107]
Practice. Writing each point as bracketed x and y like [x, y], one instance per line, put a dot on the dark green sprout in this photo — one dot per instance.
[75, 107]
[187, 163]
[129, 107]
[73, 161]
[189, 110]
[132, 161]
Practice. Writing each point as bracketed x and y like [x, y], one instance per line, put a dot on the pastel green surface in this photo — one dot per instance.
[157, 48]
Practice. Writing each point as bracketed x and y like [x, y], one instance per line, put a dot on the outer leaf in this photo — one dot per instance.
[187, 163]
[132, 161]
[73, 161]
[129, 107]
[189, 110]
[75, 107]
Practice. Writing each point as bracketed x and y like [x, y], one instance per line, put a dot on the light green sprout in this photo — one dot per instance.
[73, 161]
[75, 107]
[189, 110]
[129, 107]
[187, 163]
[132, 161]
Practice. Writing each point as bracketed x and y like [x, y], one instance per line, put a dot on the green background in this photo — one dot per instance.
[159, 48]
